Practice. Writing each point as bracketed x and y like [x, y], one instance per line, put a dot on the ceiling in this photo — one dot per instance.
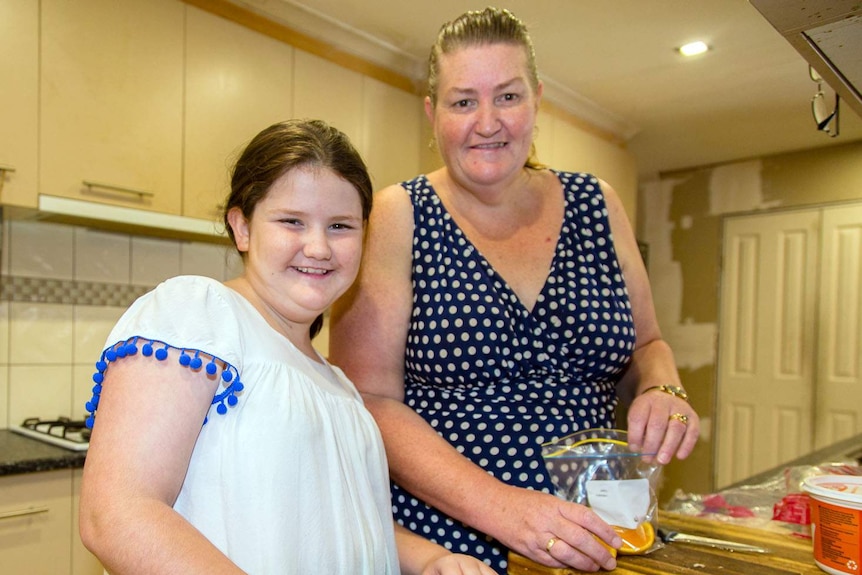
[613, 63]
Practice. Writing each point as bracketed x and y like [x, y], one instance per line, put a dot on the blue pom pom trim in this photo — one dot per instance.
[189, 358]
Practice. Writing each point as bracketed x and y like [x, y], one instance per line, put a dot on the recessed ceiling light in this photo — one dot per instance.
[693, 48]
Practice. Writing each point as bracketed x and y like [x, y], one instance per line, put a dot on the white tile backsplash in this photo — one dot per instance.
[4, 333]
[39, 391]
[48, 350]
[40, 333]
[208, 260]
[41, 250]
[154, 260]
[82, 388]
[4, 396]
[92, 326]
[102, 256]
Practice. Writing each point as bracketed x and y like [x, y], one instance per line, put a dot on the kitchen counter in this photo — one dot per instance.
[788, 554]
[20, 454]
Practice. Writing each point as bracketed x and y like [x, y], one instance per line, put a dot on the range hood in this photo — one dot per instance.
[828, 34]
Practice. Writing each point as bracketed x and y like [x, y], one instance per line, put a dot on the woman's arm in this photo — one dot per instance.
[368, 335]
[149, 416]
[649, 428]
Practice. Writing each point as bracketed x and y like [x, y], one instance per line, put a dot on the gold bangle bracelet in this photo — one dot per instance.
[673, 390]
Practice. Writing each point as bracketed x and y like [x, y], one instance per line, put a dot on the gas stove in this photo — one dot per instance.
[62, 432]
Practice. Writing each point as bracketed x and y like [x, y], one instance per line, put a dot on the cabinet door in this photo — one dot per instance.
[35, 523]
[392, 132]
[111, 101]
[83, 562]
[237, 83]
[327, 91]
[19, 68]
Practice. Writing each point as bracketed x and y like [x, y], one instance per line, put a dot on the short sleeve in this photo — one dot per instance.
[194, 314]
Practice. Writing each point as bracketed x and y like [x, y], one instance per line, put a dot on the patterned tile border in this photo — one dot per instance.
[44, 290]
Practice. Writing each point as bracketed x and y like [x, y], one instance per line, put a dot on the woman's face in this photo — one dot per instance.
[485, 113]
[303, 243]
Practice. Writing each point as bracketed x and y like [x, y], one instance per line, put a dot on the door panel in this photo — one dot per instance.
[766, 342]
[839, 385]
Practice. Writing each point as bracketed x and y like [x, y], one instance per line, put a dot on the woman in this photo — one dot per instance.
[495, 311]
[287, 475]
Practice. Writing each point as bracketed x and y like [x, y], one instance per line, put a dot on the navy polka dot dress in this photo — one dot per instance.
[497, 380]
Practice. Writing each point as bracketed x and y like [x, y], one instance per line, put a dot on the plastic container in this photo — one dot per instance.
[836, 516]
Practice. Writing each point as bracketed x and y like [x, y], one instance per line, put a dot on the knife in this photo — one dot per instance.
[677, 537]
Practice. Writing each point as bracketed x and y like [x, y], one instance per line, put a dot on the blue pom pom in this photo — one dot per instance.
[101, 365]
[97, 389]
[147, 350]
[111, 355]
[196, 363]
[131, 349]
[90, 421]
[162, 354]
[232, 400]
[226, 375]
[98, 377]
[185, 360]
[212, 368]
[239, 386]
[121, 351]
[222, 409]
[95, 402]
[89, 406]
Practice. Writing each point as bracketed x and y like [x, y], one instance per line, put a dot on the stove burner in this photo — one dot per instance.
[61, 427]
[62, 432]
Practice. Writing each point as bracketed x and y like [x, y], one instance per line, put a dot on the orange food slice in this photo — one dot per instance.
[637, 540]
[612, 551]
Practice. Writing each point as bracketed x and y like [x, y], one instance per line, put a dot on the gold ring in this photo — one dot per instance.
[550, 544]
[679, 417]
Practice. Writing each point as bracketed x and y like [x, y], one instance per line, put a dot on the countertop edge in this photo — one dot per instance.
[20, 455]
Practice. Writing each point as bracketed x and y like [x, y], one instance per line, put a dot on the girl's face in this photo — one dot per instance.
[303, 244]
[485, 113]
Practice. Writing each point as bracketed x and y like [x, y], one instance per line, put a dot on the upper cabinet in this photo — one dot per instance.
[19, 68]
[145, 104]
[238, 82]
[112, 102]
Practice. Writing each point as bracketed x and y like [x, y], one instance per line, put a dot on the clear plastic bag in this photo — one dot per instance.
[595, 468]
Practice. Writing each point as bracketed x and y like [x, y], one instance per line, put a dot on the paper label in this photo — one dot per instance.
[837, 536]
[623, 502]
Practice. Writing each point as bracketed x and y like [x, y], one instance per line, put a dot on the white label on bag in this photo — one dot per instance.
[623, 502]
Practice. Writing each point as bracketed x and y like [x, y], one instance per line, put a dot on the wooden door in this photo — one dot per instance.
[766, 359]
[839, 374]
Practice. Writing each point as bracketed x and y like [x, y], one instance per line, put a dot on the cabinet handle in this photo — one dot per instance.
[5, 168]
[140, 193]
[24, 512]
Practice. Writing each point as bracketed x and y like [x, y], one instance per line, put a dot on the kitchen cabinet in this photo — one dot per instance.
[111, 102]
[19, 59]
[83, 562]
[35, 523]
[391, 132]
[39, 525]
[383, 122]
[237, 83]
[330, 93]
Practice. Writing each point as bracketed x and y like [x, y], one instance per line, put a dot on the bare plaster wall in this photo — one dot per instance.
[680, 218]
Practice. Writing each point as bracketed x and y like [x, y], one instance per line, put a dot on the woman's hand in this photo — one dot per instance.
[663, 424]
[557, 533]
